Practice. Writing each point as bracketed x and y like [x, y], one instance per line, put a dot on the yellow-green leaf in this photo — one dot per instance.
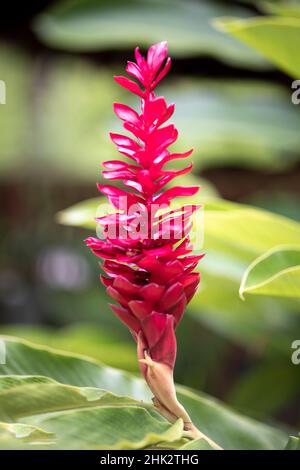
[275, 272]
[27, 396]
[197, 444]
[22, 436]
[276, 38]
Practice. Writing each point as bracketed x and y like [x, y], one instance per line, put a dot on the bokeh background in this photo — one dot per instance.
[232, 105]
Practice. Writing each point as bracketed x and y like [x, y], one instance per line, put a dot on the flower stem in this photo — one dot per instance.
[160, 380]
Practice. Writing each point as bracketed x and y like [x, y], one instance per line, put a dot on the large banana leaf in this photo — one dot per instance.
[48, 396]
[65, 398]
[277, 38]
[98, 24]
[82, 417]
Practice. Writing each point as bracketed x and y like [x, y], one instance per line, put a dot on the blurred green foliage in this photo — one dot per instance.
[89, 25]
[54, 134]
[82, 339]
[15, 123]
[249, 123]
[289, 8]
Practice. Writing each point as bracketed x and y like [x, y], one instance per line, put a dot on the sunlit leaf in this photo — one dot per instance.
[275, 272]
[276, 38]
[22, 436]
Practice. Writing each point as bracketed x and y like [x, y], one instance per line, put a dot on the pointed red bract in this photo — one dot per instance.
[148, 263]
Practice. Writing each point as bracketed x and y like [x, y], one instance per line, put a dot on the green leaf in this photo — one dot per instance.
[225, 427]
[276, 272]
[82, 338]
[277, 38]
[109, 427]
[197, 444]
[289, 8]
[17, 435]
[293, 443]
[27, 396]
[95, 25]
[246, 230]
[82, 417]
[71, 369]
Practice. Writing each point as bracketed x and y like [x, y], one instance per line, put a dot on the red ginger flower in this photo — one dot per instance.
[148, 272]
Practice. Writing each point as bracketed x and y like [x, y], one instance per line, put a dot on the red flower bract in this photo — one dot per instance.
[148, 263]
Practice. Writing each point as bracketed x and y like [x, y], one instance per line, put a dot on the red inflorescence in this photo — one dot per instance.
[148, 260]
